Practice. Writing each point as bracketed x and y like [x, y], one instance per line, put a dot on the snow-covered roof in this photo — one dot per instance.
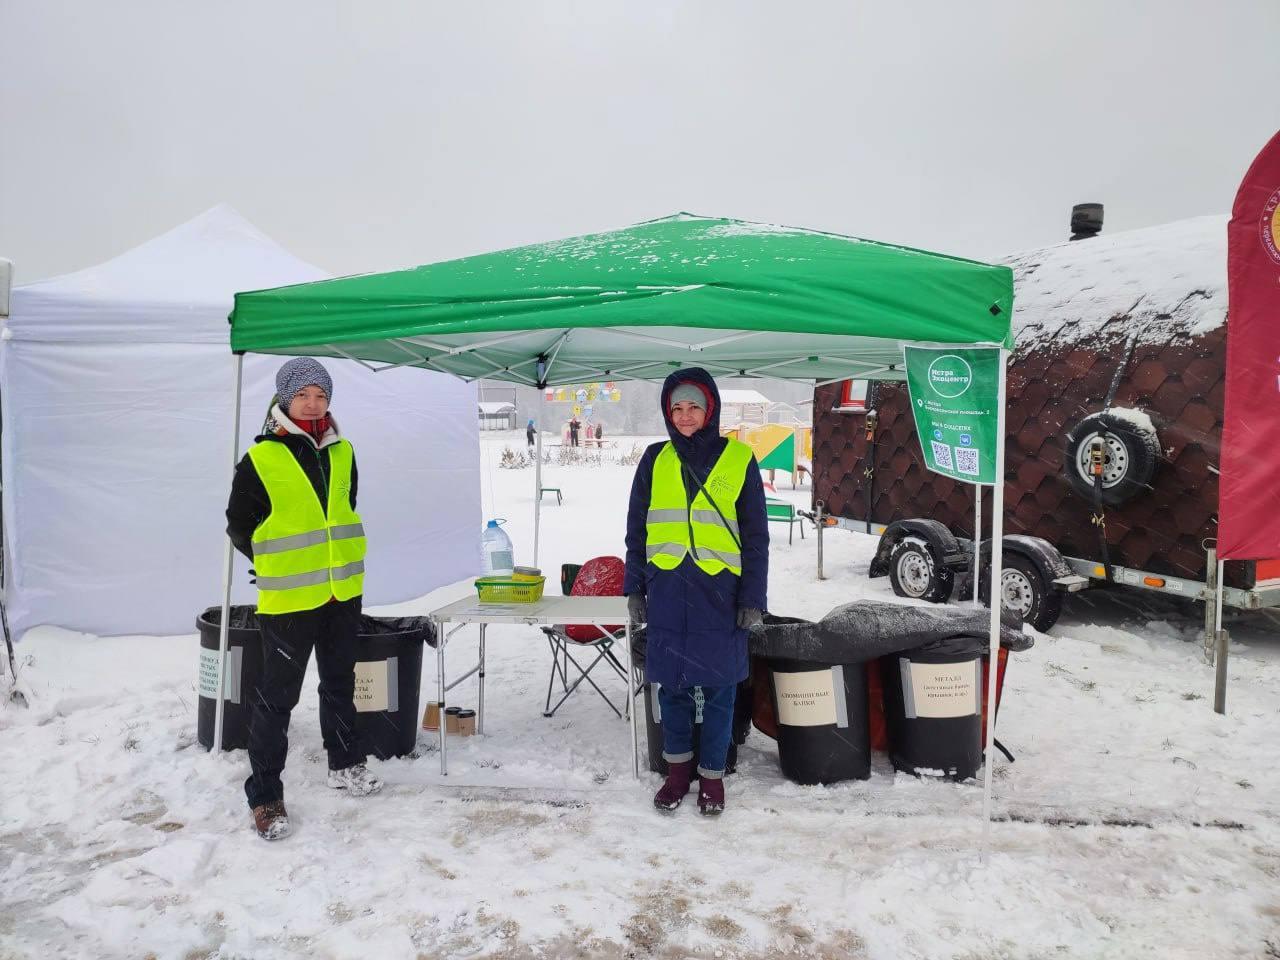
[743, 396]
[1160, 283]
[495, 407]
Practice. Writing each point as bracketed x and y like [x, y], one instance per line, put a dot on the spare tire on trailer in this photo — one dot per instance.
[1131, 451]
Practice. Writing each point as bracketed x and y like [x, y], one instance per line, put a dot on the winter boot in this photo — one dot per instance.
[672, 792]
[711, 796]
[271, 820]
[356, 780]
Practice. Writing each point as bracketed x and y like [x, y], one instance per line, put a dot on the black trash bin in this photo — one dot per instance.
[823, 734]
[933, 729]
[244, 666]
[389, 682]
[933, 710]
[388, 679]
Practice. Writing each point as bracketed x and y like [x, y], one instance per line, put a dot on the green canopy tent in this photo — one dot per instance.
[737, 298]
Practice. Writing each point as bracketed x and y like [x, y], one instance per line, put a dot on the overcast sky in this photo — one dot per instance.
[381, 134]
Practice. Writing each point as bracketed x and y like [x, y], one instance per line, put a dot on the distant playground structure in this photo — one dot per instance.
[778, 446]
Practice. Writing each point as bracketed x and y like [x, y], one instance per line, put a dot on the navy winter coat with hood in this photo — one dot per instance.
[693, 637]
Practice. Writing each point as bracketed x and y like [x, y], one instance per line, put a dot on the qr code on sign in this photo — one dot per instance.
[942, 455]
[967, 460]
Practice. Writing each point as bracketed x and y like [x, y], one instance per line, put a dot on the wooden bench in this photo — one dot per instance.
[560, 498]
[780, 511]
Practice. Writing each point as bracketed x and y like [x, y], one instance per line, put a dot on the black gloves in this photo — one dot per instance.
[636, 609]
[749, 618]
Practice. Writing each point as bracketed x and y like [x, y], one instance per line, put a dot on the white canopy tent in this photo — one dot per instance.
[117, 388]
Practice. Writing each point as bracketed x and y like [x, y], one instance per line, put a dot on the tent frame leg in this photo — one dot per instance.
[1220, 648]
[977, 543]
[1210, 639]
[997, 564]
[224, 627]
[537, 474]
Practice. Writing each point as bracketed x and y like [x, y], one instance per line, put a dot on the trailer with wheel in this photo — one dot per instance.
[1116, 399]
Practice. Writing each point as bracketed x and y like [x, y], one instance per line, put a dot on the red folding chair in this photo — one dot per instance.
[599, 577]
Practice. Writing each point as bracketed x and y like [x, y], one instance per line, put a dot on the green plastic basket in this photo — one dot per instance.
[509, 590]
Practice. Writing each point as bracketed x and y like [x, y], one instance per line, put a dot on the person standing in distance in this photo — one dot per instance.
[292, 512]
[697, 571]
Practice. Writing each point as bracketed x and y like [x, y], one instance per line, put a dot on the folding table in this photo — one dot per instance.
[587, 611]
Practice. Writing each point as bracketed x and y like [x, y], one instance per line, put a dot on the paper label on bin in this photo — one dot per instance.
[377, 686]
[208, 681]
[942, 690]
[806, 699]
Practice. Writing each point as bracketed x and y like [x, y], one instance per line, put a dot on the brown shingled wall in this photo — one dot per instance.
[1051, 388]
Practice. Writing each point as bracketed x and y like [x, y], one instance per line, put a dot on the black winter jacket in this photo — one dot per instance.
[693, 636]
[249, 505]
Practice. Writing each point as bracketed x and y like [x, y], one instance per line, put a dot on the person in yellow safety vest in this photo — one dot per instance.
[292, 512]
[697, 571]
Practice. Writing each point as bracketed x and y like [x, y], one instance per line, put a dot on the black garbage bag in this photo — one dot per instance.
[867, 629]
[420, 627]
[245, 617]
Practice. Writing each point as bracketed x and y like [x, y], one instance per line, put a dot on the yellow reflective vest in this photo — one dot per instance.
[675, 527]
[304, 554]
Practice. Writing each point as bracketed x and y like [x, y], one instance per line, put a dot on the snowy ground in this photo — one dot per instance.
[1135, 822]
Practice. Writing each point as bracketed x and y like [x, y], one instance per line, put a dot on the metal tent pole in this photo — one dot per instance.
[1210, 605]
[224, 627]
[1220, 644]
[537, 474]
[997, 596]
[977, 543]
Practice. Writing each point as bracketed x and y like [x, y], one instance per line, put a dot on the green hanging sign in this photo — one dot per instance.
[954, 396]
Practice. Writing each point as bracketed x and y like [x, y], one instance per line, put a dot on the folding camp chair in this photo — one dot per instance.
[599, 577]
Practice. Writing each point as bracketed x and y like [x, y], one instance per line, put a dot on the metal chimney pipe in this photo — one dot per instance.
[1086, 220]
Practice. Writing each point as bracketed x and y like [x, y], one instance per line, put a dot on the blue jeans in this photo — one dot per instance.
[679, 709]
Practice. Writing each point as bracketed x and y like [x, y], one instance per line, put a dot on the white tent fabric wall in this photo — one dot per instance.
[117, 388]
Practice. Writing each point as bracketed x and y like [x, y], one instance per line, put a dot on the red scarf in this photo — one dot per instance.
[316, 429]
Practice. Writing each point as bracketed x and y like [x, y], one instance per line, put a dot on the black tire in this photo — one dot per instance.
[1024, 592]
[916, 573]
[1132, 452]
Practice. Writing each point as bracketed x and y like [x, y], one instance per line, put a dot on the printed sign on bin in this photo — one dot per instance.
[812, 698]
[377, 686]
[230, 679]
[941, 690]
[954, 395]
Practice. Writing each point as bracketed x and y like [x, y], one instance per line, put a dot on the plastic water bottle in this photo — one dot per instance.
[498, 553]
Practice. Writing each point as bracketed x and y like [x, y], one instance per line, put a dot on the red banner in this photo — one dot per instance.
[1248, 514]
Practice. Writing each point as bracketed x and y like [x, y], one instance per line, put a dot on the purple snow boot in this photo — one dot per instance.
[671, 793]
[711, 796]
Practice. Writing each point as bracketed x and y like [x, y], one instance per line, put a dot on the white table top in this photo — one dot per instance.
[603, 611]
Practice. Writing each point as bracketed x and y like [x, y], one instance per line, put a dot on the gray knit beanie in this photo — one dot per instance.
[298, 373]
[690, 392]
